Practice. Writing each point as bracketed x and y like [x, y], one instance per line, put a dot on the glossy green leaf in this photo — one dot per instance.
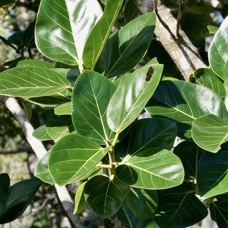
[41, 133]
[184, 102]
[59, 127]
[206, 77]
[152, 134]
[131, 96]
[42, 171]
[129, 220]
[212, 176]
[158, 171]
[105, 196]
[218, 57]
[34, 63]
[190, 155]
[100, 33]
[179, 207]
[62, 28]
[73, 158]
[20, 196]
[142, 202]
[91, 96]
[80, 203]
[209, 132]
[127, 47]
[219, 211]
[63, 109]
[32, 82]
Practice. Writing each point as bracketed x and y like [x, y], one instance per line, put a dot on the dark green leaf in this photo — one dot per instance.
[212, 176]
[74, 158]
[42, 171]
[209, 132]
[190, 155]
[80, 203]
[128, 219]
[218, 50]
[32, 82]
[105, 196]
[131, 96]
[179, 207]
[148, 134]
[20, 196]
[95, 43]
[91, 96]
[142, 202]
[128, 46]
[4, 183]
[63, 27]
[158, 171]
[184, 102]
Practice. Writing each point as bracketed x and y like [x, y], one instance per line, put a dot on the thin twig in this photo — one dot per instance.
[180, 14]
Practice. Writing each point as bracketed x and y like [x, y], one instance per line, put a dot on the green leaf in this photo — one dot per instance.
[184, 102]
[206, 77]
[209, 132]
[158, 171]
[32, 82]
[6, 2]
[190, 155]
[142, 202]
[218, 57]
[131, 96]
[219, 211]
[212, 29]
[80, 203]
[20, 196]
[105, 196]
[152, 134]
[34, 63]
[179, 207]
[127, 47]
[212, 176]
[129, 220]
[41, 133]
[74, 158]
[42, 171]
[63, 109]
[95, 43]
[4, 183]
[63, 27]
[91, 96]
[58, 127]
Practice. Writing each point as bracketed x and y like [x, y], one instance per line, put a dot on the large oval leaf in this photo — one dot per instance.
[91, 96]
[100, 33]
[127, 47]
[218, 50]
[142, 202]
[209, 132]
[152, 134]
[179, 207]
[29, 81]
[73, 158]
[131, 96]
[105, 196]
[212, 175]
[184, 102]
[63, 26]
[159, 171]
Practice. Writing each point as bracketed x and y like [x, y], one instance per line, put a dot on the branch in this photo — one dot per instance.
[181, 50]
[40, 151]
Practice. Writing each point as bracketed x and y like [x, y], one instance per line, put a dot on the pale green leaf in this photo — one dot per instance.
[80, 203]
[64, 109]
